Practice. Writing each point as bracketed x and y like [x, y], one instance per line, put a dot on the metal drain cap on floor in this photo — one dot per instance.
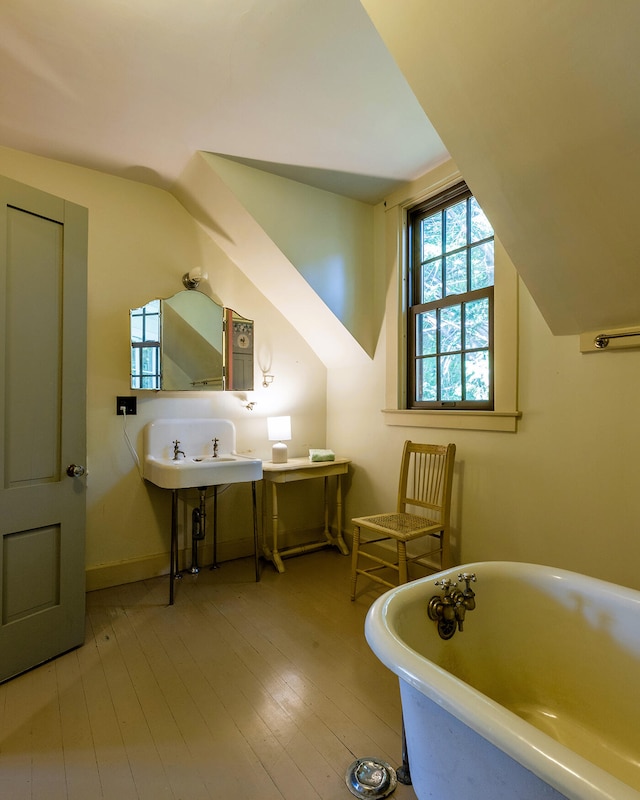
[370, 777]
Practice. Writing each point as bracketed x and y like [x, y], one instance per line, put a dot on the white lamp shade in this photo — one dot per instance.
[279, 429]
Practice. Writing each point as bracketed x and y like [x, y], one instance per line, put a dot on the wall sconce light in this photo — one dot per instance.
[267, 380]
[191, 279]
[279, 431]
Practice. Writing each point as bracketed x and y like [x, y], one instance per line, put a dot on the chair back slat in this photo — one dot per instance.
[425, 479]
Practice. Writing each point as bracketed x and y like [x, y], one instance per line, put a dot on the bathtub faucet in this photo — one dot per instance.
[468, 595]
[450, 608]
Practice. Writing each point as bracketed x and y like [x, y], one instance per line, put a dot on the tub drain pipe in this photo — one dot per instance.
[403, 773]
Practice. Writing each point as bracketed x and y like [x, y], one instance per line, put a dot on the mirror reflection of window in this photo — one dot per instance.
[188, 342]
[145, 346]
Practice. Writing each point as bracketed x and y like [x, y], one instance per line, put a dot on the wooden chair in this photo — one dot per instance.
[423, 510]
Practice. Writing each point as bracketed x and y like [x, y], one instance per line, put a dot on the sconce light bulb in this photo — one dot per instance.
[191, 279]
[267, 380]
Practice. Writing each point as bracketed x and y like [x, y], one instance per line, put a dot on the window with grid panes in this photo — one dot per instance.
[451, 273]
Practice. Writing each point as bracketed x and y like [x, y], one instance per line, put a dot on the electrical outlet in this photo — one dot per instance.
[129, 405]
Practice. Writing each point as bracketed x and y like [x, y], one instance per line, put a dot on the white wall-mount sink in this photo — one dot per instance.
[198, 466]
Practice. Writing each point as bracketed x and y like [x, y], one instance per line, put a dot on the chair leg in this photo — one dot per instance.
[402, 562]
[355, 547]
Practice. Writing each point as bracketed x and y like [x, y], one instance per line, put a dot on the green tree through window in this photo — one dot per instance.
[451, 273]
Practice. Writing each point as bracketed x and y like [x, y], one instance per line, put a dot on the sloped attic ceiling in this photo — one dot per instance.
[136, 88]
[538, 103]
[301, 88]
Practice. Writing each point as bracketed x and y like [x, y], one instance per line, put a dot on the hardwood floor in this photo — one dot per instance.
[241, 690]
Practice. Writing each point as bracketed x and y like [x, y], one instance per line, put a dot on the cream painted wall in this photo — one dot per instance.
[563, 490]
[327, 237]
[541, 115]
[141, 240]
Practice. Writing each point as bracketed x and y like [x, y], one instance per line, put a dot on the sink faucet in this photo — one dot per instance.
[176, 451]
[215, 448]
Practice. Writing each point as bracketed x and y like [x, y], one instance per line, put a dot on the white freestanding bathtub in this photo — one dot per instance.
[537, 697]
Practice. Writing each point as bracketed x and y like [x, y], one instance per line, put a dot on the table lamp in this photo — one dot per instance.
[279, 429]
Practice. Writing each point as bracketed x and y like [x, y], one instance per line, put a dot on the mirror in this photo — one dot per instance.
[190, 343]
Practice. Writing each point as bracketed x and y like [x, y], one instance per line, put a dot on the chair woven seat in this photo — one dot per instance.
[407, 525]
[426, 476]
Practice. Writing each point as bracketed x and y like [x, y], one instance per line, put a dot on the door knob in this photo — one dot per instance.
[75, 470]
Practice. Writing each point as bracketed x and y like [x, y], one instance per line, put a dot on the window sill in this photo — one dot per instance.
[500, 421]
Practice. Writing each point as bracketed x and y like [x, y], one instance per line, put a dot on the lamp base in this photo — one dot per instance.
[279, 453]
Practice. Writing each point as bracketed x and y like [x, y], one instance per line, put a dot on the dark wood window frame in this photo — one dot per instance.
[440, 202]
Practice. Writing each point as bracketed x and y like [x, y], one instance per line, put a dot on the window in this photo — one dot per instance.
[450, 319]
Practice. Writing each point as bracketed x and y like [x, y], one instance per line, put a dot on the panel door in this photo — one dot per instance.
[43, 278]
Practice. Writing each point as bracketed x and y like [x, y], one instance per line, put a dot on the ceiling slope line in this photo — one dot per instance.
[219, 212]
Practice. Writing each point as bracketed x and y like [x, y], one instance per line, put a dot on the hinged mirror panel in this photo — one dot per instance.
[190, 343]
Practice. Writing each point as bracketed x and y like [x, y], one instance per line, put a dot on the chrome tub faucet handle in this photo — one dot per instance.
[468, 593]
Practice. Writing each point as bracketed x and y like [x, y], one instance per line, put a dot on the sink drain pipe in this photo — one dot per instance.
[198, 529]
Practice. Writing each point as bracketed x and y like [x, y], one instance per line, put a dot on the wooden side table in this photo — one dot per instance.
[302, 469]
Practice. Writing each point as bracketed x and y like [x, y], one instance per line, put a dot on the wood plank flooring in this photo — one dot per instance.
[243, 690]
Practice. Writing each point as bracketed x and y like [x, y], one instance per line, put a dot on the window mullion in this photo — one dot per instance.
[438, 353]
[443, 259]
[463, 344]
